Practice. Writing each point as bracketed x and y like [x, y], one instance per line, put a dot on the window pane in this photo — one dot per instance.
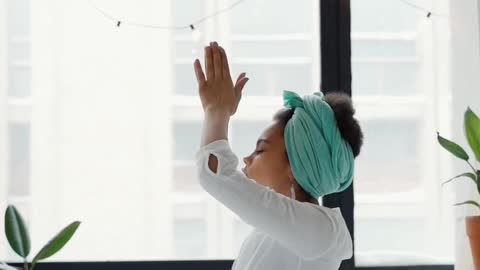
[377, 237]
[185, 80]
[19, 51]
[272, 79]
[387, 78]
[378, 49]
[185, 177]
[382, 16]
[187, 139]
[190, 239]
[19, 159]
[399, 79]
[268, 17]
[244, 137]
[19, 81]
[272, 49]
[183, 49]
[390, 173]
[187, 11]
[190, 232]
[18, 18]
[365, 78]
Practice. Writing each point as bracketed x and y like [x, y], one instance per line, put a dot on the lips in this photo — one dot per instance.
[244, 171]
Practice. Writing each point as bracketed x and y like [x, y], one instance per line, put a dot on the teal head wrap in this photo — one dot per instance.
[320, 159]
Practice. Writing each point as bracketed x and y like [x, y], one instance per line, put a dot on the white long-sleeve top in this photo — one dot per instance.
[287, 234]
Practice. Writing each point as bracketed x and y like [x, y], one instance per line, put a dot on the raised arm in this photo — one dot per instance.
[220, 98]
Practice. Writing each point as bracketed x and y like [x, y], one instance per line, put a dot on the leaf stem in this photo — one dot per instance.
[474, 171]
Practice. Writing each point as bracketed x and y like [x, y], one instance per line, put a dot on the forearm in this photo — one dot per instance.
[215, 126]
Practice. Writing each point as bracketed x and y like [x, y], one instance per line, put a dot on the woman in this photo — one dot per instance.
[307, 152]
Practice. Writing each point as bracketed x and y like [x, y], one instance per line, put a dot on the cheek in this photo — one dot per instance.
[267, 168]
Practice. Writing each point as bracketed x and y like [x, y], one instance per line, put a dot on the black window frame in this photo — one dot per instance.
[187, 265]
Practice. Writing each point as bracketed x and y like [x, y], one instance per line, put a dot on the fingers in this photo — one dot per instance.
[225, 68]
[239, 87]
[238, 90]
[241, 83]
[199, 73]
[240, 76]
[217, 61]
[209, 63]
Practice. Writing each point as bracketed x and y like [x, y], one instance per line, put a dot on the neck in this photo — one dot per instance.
[304, 197]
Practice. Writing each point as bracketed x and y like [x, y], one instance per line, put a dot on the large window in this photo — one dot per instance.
[401, 214]
[104, 121]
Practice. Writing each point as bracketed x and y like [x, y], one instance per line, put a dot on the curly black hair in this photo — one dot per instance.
[342, 107]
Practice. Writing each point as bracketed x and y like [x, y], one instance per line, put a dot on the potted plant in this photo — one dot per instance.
[472, 133]
[19, 239]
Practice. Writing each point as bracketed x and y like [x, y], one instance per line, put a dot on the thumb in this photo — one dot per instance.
[240, 84]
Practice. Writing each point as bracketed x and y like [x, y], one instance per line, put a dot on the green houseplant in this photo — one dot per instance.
[472, 132]
[19, 239]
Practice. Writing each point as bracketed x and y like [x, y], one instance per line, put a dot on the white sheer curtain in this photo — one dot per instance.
[100, 126]
[465, 74]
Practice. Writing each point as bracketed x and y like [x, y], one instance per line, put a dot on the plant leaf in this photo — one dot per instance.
[469, 202]
[4, 266]
[16, 232]
[468, 174]
[452, 147]
[56, 243]
[472, 131]
[478, 181]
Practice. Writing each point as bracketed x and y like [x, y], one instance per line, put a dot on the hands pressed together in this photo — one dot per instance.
[217, 91]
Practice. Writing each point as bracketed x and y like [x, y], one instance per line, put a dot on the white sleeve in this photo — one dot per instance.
[309, 230]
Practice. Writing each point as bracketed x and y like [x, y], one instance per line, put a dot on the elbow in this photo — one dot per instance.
[346, 250]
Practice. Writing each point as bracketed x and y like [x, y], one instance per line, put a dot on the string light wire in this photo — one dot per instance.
[191, 26]
[428, 12]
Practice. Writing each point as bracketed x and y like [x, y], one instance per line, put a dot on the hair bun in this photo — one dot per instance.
[349, 127]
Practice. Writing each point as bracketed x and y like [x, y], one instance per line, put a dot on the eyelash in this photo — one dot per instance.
[258, 151]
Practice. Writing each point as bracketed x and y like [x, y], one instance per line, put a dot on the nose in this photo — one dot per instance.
[246, 160]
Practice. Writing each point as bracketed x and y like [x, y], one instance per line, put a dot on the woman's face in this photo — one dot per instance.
[268, 164]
